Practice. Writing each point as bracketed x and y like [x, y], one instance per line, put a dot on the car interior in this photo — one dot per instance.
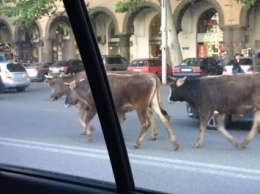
[23, 180]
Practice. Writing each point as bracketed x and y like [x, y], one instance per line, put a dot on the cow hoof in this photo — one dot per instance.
[152, 138]
[196, 146]
[242, 145]
[175, 147]
[135, 146]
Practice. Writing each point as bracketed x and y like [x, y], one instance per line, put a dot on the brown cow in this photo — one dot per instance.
[226, 94]
[131, 91]
[58, 88]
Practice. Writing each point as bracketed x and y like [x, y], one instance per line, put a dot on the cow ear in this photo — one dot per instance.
[180, 81]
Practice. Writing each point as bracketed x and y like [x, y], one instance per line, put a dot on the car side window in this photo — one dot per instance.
[142, 63]
[123, 61]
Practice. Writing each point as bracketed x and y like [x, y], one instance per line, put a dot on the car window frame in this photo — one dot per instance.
[28, 180]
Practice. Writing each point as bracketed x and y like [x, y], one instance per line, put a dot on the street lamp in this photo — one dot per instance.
[164, 39]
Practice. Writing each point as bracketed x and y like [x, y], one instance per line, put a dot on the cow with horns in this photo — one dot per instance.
[219, 95]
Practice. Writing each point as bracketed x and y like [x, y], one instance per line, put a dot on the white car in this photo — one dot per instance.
[14, 76]
[248, 64]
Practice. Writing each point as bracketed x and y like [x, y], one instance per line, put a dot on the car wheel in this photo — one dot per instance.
[42, 78]
[212, 123]
[20, 89]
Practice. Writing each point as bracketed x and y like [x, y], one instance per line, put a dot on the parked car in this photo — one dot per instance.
[2, 87]
[248, 64]
[114, 62]
[37, 71]
[66, 67]
[228, 119]
[197, 67]
[14, 76]
[151, 65]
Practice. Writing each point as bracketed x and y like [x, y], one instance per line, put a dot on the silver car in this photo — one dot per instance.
[14, 76]
[248, 64]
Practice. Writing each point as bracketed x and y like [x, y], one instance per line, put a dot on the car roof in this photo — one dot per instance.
[147, 59]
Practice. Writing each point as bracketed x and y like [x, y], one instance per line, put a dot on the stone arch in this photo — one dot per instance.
[130, 16]
[52, 24]
[6, 28]
[186, 4]
[98, 10]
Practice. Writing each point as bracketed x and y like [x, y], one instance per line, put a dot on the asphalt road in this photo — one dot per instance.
[38, 133]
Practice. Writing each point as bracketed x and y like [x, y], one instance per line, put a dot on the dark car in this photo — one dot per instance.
[2, 86]
[66, 67]
[228, 119]
[37, 71]
[114, 62]
[197, 67]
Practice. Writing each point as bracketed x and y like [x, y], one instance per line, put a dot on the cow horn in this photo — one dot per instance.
[181, 81]
[172, 78]
[48, 76]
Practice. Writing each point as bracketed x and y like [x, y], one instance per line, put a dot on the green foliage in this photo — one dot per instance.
[133, 5]
[128, 5]
[26, 12]
[247, 3]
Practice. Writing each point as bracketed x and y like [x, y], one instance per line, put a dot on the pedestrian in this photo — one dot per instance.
[221, 58]
[236, 69]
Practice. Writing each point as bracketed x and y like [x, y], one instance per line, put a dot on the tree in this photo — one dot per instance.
[25, 13]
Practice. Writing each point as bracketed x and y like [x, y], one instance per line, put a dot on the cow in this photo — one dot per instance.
[59, 86]
[130, 91]
[58, 89]
[219, 95]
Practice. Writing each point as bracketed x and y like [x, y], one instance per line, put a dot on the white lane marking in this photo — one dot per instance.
[198, 167]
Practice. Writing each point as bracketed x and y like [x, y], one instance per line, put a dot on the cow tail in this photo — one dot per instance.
[158, 86]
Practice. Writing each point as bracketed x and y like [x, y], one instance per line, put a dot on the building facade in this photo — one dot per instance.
[204, 28]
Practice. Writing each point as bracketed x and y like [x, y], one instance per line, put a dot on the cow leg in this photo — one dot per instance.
[153, 127]
[80, 118]
[221, 127]
[145, 123]
[165, 120]
[251, 134]
[203, 124]
[121, 117]
[90, 115]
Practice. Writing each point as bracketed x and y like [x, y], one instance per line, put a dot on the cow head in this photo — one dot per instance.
[175, 93]
[72, 96]
[58, 88]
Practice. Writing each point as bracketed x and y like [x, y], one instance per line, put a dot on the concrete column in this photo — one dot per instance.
[124, 46]
[18, 47]
[238, 39]
[47, 50]
[228, 42]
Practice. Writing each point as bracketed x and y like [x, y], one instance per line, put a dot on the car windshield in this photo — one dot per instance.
[191, 62]
[123, 130]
